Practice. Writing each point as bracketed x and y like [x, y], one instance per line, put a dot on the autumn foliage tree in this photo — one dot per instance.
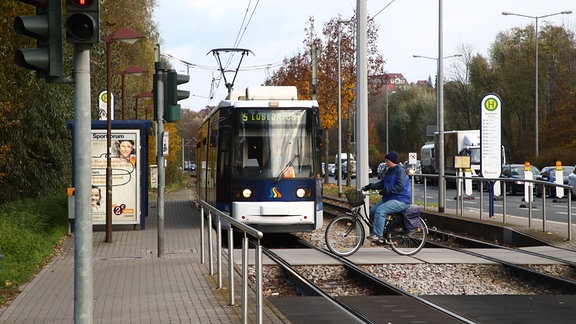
[297, 71]
[35, 143]
[509, 71]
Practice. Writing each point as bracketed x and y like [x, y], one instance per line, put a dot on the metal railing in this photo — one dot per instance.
[247, 231]
[545, 185]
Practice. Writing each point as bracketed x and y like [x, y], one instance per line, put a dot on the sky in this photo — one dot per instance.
[273, 30]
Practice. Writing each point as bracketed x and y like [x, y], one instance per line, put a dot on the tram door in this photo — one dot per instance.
[224, 169]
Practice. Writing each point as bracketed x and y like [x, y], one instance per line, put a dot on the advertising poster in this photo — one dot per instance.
[125, 176]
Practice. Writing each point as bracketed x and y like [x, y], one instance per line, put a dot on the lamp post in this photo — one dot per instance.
[435, 58]
[128, 36]
[506, 13]
[138, 96]
[387, 84]
[440, 113]
[339, 165]
[135, 70]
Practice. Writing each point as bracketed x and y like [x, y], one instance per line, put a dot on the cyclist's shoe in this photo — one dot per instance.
[375, 238]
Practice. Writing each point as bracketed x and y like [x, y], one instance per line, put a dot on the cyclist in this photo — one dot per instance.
[396, 195]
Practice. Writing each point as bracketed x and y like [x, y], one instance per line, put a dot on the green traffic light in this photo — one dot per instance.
[172, 110]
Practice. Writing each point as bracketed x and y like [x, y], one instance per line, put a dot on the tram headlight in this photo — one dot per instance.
[246, 193]
[303, 193]
[300, 193]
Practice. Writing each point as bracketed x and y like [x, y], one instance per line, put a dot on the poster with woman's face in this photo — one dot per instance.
[125, 179]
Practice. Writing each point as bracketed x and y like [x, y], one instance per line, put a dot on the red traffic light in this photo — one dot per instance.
[81, 3]
[82, 21]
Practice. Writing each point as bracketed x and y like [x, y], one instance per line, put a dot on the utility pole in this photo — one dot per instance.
[362, 163]
[159, 82]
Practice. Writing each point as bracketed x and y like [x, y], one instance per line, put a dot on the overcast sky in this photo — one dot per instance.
[274, 30]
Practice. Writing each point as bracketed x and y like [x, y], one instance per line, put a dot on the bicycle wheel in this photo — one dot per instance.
[344, 235]
[408, 243]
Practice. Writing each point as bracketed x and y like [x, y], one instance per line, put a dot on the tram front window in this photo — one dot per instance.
[274, 144]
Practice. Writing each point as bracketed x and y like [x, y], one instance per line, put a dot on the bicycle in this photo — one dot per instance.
[345, 233]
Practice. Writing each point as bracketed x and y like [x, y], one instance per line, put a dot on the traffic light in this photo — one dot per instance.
[172, 111]
[46, 27]
[82, 21]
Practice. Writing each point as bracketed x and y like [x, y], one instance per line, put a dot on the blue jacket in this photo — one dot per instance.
[395, 185]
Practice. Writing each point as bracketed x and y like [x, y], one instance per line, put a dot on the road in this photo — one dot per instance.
[556, 210]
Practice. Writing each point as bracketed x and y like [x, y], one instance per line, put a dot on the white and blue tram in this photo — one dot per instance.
[259, 160]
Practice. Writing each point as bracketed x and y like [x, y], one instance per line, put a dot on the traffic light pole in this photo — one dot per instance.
[83, 277]
[160, 81]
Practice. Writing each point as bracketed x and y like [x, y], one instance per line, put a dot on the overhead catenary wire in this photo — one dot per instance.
[242, 29]
[215, 68]
[388, 5]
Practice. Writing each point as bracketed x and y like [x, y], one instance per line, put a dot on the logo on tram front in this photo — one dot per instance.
[274, 193]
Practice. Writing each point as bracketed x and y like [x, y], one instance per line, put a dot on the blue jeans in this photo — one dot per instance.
[381, 209]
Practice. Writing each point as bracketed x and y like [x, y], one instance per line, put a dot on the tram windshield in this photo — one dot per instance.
[273, 143]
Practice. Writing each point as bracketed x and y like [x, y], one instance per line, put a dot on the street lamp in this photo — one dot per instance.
[387, 84]
[135, 70]
[138, 96]
[440, 110]
[339, 163]
[506, 13]
[128, 36]
[435, 58]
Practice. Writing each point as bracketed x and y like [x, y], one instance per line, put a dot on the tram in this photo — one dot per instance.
[259, 160]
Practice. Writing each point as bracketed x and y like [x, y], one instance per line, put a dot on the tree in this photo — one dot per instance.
[413, 109]
[35, 145]
[512, 71]
[298, 71]
[188, 130]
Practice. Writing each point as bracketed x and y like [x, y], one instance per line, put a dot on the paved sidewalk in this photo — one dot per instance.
[133, 285]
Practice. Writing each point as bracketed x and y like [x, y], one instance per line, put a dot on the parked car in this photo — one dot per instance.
[572, 182]
[381, 170]
[331, 169]
[189, 166]
[516, 171]
[549, 174]
[414, 170]
[345, 170]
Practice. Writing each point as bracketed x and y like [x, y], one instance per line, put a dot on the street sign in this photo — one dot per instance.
[412, 157]
[491, 136]
[102, 99]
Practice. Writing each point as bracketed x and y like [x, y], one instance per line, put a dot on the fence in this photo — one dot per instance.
[505, 181]
[247, 231]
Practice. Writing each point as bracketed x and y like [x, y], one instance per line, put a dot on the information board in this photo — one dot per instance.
[125, 176]
[491, 136]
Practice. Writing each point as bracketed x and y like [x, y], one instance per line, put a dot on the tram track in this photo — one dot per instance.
[523, 272]
[377, 285]
[473, 307]
[463, 244]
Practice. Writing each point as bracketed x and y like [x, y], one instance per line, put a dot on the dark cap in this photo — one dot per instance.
[392, 157]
